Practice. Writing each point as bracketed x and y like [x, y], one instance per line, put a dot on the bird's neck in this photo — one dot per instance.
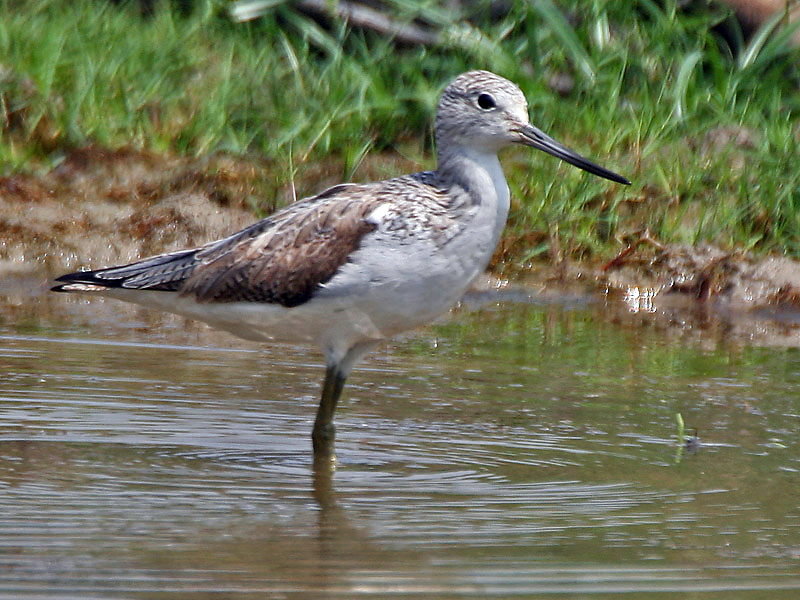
[479, 173]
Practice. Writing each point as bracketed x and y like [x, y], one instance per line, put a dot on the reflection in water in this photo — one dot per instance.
[510, 450]
[323, 492]
[640, 299]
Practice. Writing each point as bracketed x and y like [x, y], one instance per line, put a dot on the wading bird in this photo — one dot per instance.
[357, 263]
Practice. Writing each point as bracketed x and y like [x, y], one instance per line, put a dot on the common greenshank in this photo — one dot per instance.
[357, 263]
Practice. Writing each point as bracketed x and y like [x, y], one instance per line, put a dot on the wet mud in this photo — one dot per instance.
[101, 207]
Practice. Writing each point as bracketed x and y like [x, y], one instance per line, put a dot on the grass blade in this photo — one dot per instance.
[565, 34]
[682, 84]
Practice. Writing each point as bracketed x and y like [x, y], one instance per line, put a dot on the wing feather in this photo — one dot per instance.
[286, 263]
[162, 273]
[286, 257]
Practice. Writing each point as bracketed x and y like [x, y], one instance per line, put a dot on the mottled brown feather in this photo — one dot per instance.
[287, 261]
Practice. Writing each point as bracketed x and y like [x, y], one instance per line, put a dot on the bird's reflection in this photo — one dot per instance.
[322, 479]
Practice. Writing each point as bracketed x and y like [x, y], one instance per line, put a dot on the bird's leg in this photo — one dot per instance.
[323, 433]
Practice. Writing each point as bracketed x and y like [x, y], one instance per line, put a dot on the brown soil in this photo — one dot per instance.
[700, 291]
[707, 274]
[101, 207]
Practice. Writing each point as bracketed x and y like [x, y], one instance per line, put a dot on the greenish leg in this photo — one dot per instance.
[323, 433]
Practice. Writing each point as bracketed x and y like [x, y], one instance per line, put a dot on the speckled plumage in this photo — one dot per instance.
[358, 262]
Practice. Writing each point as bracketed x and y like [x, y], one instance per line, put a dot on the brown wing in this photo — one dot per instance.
[291, 254]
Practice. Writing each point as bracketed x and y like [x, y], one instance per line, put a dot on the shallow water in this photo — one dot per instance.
[514, 449]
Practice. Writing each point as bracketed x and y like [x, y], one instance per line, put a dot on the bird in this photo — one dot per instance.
[359, 262]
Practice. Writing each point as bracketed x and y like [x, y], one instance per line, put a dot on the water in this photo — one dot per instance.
[514, 449]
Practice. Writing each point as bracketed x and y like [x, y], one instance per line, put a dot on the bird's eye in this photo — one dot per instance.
[486, 102]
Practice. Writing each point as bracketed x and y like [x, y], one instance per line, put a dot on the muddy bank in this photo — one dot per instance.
[100, 207]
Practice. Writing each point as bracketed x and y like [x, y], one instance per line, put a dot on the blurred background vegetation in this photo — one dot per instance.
[698, 111]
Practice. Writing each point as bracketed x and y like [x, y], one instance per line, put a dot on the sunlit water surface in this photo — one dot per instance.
[513, 449]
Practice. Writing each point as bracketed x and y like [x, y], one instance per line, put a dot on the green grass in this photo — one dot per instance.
[708, 134]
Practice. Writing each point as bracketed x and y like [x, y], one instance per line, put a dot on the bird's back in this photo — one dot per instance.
[287, 258]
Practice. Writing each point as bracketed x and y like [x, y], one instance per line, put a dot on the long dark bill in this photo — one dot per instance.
[531, 136]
